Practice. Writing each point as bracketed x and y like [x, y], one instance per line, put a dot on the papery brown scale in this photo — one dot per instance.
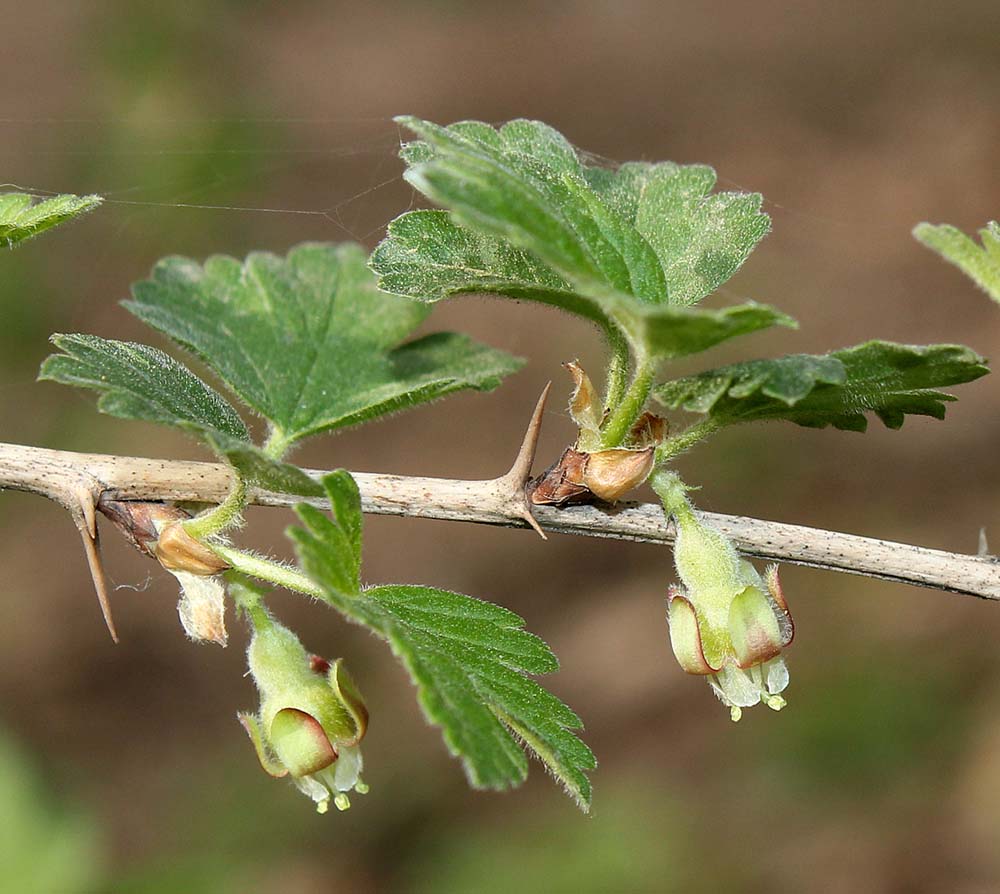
[649, 430]
[202, 607]
[584, 403]
[579, 477]
[611, 474]
[562, 482]
[139, 521]
[177, 550]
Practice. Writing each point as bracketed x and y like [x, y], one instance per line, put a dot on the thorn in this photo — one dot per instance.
[984, 547]
[85, 499]
[531, 520]
[521, 470]
[92, 547]
[84, 514]
[515, 480]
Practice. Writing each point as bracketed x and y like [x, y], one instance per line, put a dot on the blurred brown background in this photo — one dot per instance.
[124, 769]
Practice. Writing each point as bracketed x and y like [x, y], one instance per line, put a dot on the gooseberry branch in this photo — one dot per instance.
[75, 479]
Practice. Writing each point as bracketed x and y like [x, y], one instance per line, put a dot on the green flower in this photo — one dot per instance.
[312, 717]
[726, 622]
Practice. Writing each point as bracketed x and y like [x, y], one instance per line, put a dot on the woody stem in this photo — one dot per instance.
[63, 476]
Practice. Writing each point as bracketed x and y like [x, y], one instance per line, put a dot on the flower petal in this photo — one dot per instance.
[735, 688]
[777, 675]
[753, 628]
[778, 595]
[252, 725]
[300, 742]
[344, 775]
[347, 692]
[313, 788]
[202, 607]
[685, 638]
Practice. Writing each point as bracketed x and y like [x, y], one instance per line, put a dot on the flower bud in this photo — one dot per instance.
[311, 719]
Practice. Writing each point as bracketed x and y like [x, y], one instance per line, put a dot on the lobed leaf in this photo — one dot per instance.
[468, 658]
[668, 332]
[137, 381]
[21, 217]
[981, 263]
[700, 238]
[837, 389]
[428, 257]
[308, 341]
[140, 382]
[528, 219]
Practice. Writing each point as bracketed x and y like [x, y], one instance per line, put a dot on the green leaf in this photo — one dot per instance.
[337, 565]
[428, 257]
[468, 658]
[21, 218]
[308, 341]
[670, 332]
[980, 263]
[836, 389]
[137, 381]
[140, 382]
[529, 219]
[701, 239]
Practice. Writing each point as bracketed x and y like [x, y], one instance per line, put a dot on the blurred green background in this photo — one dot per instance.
[122, 769]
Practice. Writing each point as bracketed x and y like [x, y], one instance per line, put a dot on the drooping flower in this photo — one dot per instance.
[311, 719]
[726, 622]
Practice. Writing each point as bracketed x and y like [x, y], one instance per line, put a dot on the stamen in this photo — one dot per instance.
[775, 702]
